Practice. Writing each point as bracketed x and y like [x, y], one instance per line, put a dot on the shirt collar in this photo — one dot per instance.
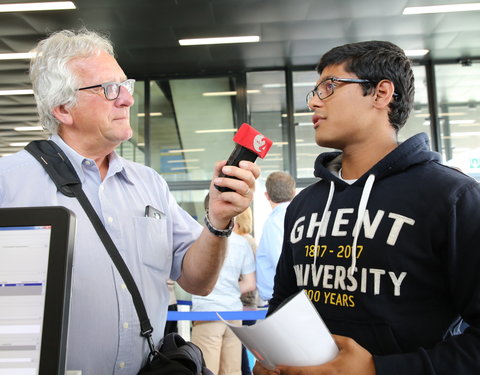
[115, 163]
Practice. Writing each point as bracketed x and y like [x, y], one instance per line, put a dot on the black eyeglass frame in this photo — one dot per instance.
[107, 84]
[312, 93]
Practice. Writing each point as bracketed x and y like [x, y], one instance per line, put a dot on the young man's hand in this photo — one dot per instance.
[352, 359]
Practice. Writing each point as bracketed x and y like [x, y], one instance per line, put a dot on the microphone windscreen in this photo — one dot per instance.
[252, 139]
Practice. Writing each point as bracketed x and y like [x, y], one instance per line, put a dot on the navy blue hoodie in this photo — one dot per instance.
[396, 282]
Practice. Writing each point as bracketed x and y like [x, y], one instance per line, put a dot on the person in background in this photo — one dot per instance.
[385, 243]
[244, 227]
[84, 98]
[171, 326]
[280, 190]
[221, 349]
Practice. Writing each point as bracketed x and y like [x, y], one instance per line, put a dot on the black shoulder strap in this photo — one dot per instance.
[56, 163]
[62, 172]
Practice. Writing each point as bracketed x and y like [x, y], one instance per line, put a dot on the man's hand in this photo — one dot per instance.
[352, 359]
[224, 206]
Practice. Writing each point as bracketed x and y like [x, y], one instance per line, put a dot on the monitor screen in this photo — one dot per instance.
[26, 261]
[22, 297]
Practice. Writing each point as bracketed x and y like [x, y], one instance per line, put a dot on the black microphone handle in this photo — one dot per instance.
[238, 153]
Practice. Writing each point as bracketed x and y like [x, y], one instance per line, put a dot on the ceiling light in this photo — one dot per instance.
[296, 114]
[183, 161]
[30, 7]
[18, 144]
[17, 56]
[28, 128]
[295, 84]
[416, 52]
[223, 40]
[461, 122]
[447, 8]
[184, 168]
[228, 93]
[16, 92]
[152, 114]
[305, 124]
[186, 150]
[464, 134]
[216, 131]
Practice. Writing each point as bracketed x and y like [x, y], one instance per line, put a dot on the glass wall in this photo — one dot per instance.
[307, 149]
[192, 202]
[418, 122]
[267, 112]
[134, 148]
[192, 124]
[458, 97]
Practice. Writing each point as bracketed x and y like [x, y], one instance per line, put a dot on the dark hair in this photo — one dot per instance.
[375, 61]
[280, 187]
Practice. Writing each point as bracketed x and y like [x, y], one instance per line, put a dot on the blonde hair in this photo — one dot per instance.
[244, 222]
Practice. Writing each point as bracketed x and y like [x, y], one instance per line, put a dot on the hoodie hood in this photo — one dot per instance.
[411, 152]
[415, 150]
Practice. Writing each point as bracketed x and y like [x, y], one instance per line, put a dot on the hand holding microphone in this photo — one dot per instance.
[249, 145]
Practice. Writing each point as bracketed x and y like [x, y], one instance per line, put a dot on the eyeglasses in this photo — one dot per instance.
[112, 89]
[326, 88]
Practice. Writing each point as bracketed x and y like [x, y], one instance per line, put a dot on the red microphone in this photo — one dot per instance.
[249, 145]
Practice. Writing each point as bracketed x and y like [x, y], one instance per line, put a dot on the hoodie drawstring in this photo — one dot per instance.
[362, 208]
[322, 221]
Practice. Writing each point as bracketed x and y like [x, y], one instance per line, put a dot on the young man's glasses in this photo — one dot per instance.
[326, 88]
[112, 89]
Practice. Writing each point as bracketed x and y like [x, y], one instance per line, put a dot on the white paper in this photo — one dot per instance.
[294, 335]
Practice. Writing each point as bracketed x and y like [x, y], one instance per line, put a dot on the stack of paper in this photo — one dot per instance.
[294, 335]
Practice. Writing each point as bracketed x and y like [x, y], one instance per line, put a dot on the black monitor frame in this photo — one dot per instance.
[57, 294]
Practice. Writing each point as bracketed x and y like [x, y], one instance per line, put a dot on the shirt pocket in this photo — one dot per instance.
[153, 243]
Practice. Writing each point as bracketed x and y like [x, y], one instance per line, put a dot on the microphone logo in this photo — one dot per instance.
[259, 143]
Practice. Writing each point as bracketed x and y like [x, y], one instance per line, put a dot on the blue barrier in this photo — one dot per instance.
[212, 315]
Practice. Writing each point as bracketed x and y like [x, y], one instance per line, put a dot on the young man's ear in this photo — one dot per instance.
[384, 93]
[62, 114]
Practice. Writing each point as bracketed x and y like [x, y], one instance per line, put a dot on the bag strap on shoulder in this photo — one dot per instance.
[56, 164]
[63, 174]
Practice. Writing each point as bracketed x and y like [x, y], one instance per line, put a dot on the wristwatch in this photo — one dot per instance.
[218, 232]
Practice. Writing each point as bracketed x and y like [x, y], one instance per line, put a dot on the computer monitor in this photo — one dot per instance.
[36, 250]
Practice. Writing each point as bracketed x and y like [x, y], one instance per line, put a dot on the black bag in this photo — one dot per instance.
[174, 355]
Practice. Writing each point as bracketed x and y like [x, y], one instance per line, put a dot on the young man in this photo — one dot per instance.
[84, 99]
[385, 243]
[280, 188]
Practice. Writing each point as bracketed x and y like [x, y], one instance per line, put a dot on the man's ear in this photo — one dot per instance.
[62, 114]
[384, 93]
[267, 196]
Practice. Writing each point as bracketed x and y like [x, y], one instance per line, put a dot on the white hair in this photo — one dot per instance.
[53, 82]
